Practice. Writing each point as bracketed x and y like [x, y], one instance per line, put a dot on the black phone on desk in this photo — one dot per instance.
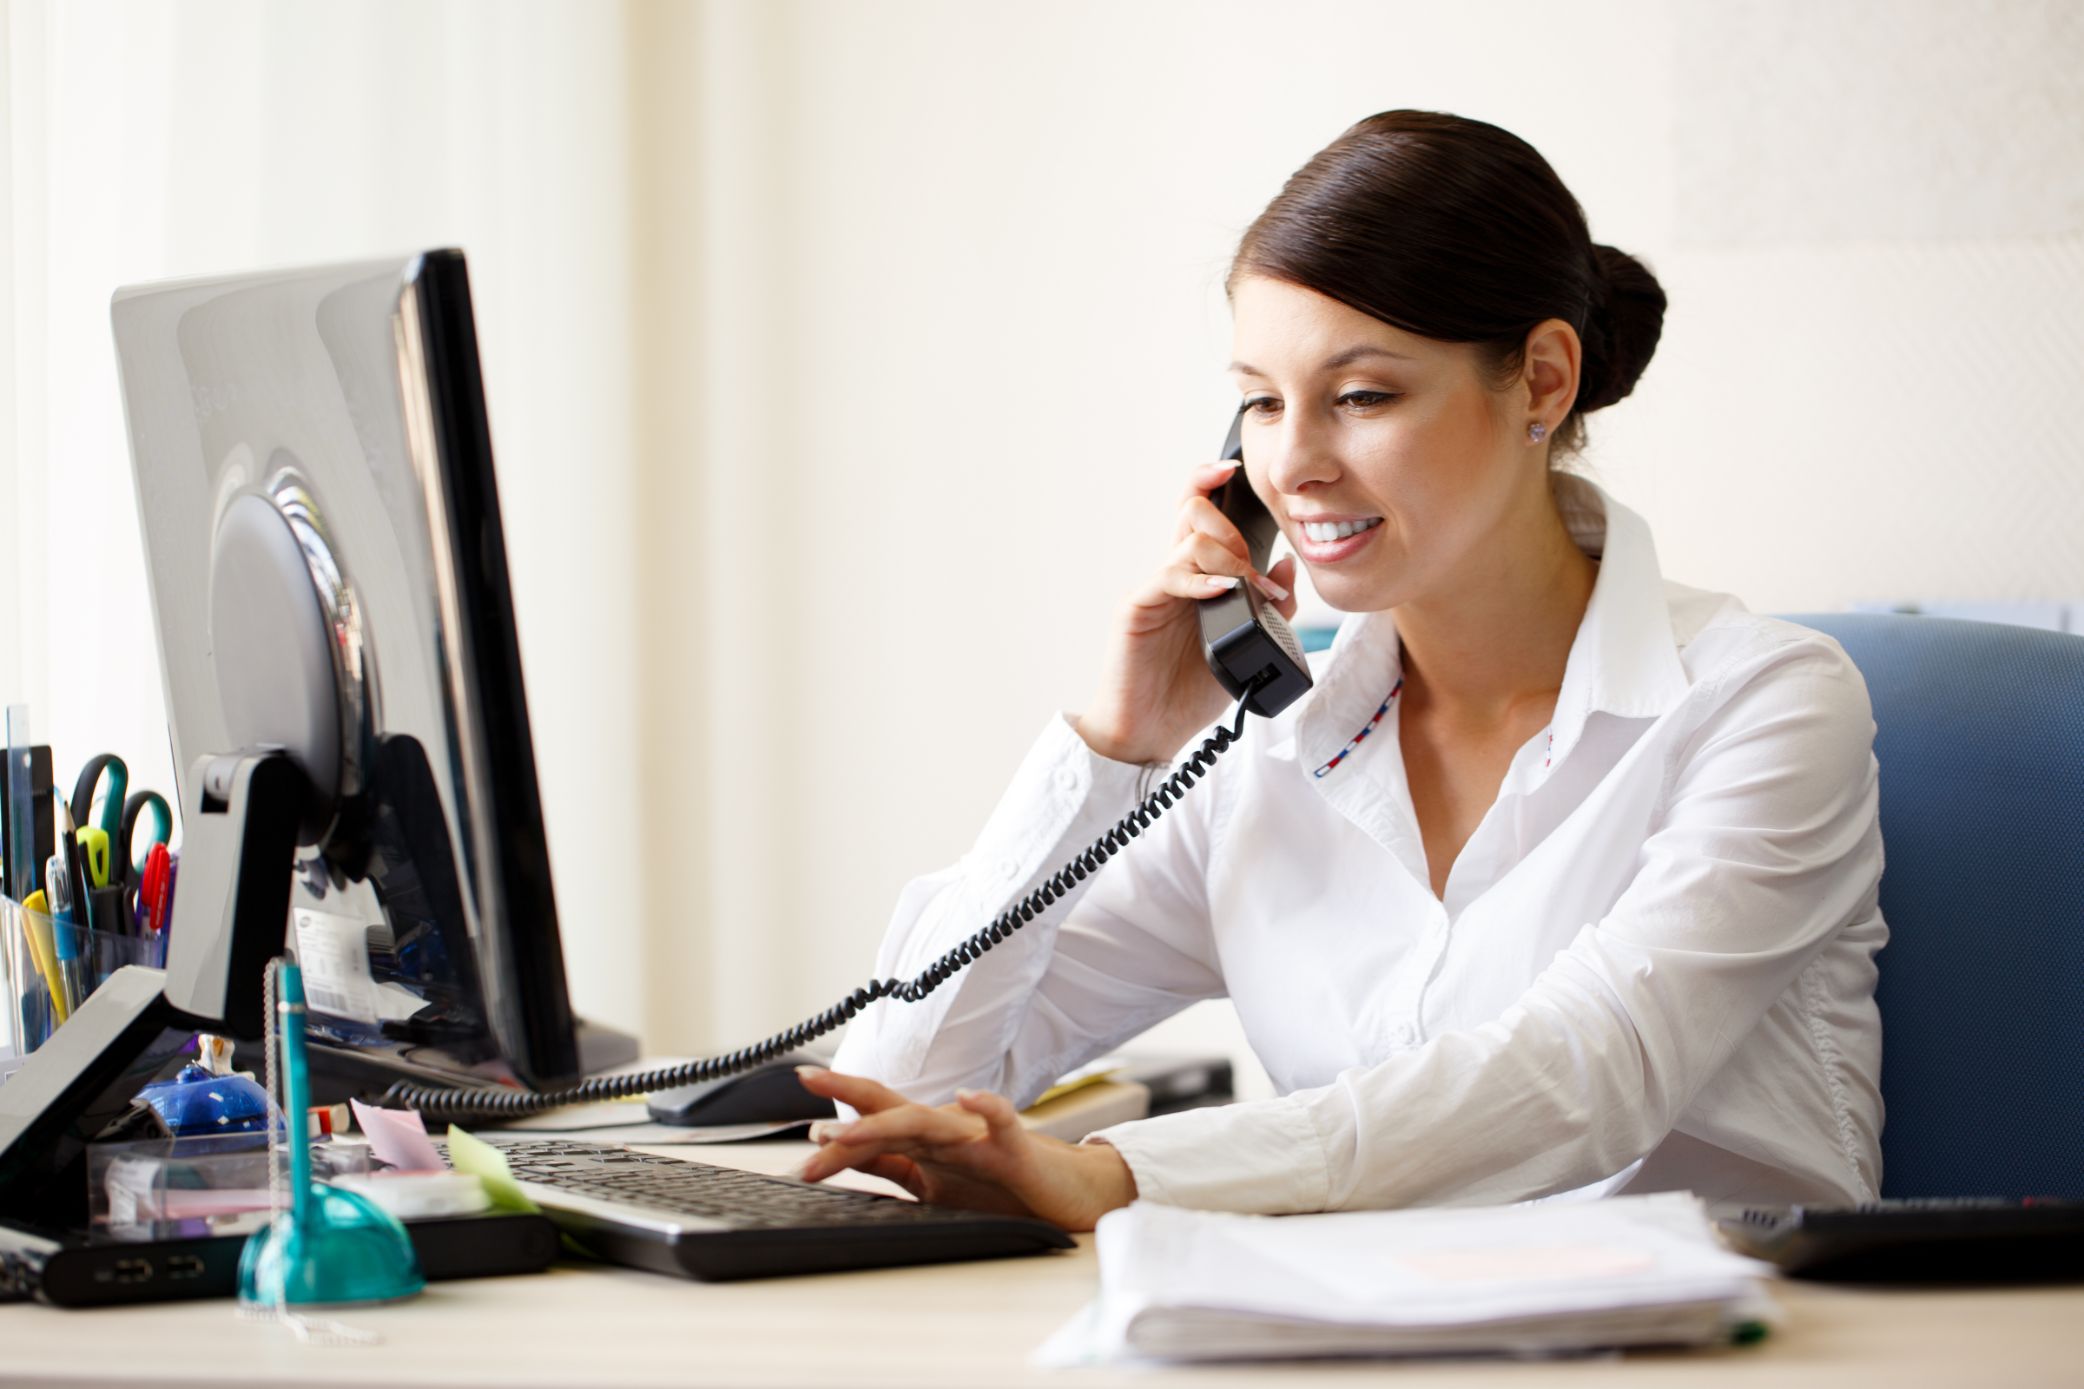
[1249, 645]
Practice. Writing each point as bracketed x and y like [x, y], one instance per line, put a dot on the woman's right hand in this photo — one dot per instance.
[1156, 690]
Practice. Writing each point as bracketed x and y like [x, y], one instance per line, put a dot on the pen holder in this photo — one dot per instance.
[50, 966]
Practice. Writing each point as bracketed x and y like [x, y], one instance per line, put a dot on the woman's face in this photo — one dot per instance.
[1387, 462]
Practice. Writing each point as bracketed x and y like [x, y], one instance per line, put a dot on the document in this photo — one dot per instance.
[1536, 1279]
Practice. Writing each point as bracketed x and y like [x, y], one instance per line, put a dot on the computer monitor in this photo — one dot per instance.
[328, 574]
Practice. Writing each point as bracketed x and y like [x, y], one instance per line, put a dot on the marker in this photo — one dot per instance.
[94, 853]
[156, 891]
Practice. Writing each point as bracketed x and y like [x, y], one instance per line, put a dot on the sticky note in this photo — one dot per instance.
[488, 1165]
[397, 1136]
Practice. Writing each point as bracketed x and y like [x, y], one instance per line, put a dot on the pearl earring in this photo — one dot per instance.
[1537, 431]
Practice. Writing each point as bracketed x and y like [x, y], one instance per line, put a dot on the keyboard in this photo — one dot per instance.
[1950, 1239]
[698, 1220]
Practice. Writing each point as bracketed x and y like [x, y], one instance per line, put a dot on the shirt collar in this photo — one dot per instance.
[1624, 660]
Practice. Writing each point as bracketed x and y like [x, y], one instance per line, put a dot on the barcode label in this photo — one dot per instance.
[334, 954]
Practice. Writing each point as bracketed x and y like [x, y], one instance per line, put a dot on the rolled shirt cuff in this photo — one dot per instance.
[1264, 1157]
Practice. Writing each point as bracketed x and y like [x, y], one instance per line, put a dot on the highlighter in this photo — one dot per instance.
[36, 925]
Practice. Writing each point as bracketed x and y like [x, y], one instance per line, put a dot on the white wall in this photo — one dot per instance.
[844, 358]
[150, 140]
[943, 281]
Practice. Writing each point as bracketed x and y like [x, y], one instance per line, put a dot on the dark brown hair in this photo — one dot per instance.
[1461, 232]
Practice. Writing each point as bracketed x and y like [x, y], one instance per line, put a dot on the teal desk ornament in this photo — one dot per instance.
[330, 1247]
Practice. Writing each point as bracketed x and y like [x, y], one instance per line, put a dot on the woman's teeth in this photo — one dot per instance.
[1323, 532]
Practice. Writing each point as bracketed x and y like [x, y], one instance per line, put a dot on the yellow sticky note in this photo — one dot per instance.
[1092, 1073]
[489, 1165]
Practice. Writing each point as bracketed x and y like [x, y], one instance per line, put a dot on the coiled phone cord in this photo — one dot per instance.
[505, 1102]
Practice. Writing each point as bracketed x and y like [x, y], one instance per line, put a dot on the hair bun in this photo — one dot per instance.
[1622, 329]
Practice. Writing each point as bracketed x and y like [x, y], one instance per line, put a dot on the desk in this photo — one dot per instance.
[962, 1324]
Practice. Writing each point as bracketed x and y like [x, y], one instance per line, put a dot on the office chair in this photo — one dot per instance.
[1980, 740]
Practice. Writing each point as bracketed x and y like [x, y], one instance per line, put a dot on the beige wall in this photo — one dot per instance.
[933, 326]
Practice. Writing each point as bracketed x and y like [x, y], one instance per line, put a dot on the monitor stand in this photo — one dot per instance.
[339, 1075]
[603, 1048]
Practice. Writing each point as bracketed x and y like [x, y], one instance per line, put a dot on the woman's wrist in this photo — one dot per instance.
[1108, 1177]
[1105, 742]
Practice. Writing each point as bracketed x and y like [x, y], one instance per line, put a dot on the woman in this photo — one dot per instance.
[1563, 877]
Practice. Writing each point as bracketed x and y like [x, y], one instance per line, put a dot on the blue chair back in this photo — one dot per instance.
[1980, 740]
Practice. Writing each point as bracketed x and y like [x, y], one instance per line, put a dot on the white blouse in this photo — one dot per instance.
[1652, 968]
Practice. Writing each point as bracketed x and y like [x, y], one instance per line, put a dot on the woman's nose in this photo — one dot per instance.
[1297, 454]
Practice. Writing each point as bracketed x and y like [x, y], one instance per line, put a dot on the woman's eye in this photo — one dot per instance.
[1354, 400]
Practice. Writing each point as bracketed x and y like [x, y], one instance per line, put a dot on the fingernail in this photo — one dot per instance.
[822, 1132]
[965, 1094]
[808, 1071]
[1270, 588]
[1219, 581]
[1224, 464]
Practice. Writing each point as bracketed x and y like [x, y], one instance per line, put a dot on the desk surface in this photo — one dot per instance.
[959, 1324]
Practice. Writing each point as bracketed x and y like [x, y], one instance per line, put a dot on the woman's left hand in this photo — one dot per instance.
[973, 1153]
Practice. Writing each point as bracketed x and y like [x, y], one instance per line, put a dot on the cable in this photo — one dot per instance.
[501, 1102]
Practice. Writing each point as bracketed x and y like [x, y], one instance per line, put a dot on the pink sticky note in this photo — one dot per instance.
[397, 1136]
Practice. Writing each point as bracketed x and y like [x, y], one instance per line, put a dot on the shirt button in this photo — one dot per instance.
[1007, 868]
[1067, 778]
[1403, 1034]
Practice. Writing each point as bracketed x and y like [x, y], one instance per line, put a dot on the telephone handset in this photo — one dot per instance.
[1251, 650]
[1248, 643]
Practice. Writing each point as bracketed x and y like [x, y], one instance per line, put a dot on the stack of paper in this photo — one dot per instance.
[1519, 1280]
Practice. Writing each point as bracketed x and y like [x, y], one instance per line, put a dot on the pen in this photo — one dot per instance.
[163, 908]
[65, 934]
[80, 902]
[79, 905]
[70, 849]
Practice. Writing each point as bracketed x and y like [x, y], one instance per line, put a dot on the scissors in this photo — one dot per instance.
[145, 878]
[113, 850]
[123, 849]
[119, 817]
[82, 803]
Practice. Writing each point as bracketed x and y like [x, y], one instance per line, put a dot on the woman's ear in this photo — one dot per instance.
[1554, 357]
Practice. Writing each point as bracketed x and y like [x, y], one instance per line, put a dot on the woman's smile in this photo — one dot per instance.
[1330, 539]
